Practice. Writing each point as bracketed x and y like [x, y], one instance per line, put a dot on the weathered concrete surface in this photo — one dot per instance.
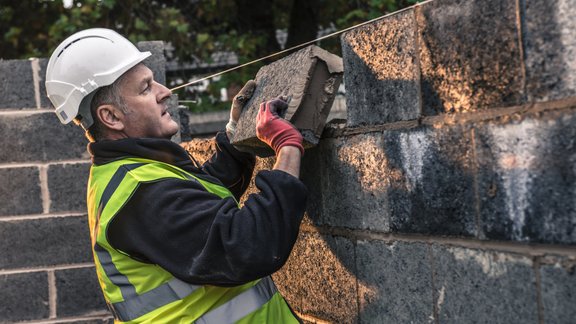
[347, 178]
[67, 187]
[470, 56]
[16, 85]
[558, 284]
[431, 180]
[44, 242]
[310, 78]
[475, 286]
[39, 137]
[526, 177]
[319, 278]
[380, 71]
[20, 193]
[550, 43]
[396, 282]
[24, 297]
[78, 293]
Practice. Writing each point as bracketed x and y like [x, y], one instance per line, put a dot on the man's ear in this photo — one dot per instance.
[110, 117]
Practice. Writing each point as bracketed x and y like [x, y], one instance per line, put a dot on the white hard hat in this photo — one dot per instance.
[84, 62]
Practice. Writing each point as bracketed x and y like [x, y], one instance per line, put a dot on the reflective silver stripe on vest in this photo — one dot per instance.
[240, 306]
[135, 305]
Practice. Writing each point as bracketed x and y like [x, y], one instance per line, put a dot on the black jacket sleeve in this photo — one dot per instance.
[232, 167]
[203, 239]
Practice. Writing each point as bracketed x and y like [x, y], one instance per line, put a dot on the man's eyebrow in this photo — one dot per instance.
[146, 80]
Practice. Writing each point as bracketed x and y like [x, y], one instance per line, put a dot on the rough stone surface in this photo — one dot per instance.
[558, 282]
[470, 55]
[16, 85]
[310, 78]
[157, 61]
[346, 178]
[475, 286]
[526, 178]
[550, 44]
[78, 293]
[44, 242]
[20, 191]
[24, 297]
[380, 72]
[39, 137]
[396, 282]
[319, 278]
[67, 187]
[430, 175]
[44, 101]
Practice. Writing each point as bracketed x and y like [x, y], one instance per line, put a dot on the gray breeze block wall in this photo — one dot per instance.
[46, 269]
[449, 194]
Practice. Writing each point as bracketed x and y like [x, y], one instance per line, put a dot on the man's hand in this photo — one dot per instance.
[274, 130]
[237, 104]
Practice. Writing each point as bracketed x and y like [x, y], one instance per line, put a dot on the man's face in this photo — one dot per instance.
[146, 102]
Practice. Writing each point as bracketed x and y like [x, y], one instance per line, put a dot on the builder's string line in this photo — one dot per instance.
[291, 48]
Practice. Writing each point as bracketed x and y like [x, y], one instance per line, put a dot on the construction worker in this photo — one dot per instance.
[170, 242]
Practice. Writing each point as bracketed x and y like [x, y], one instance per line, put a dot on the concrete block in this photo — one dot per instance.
[470, 55]
[558, 284]
[39, 137]
[24, 297]
[319, 278]
[347, 180]
[476, 286]
[396, 282]
[526, 178]
[67, 187]
[430, 180]
[549, 48]
[44, 242]
[310, 77]
[380, 71]
[20, 192]
[79, 293]
[44, 101]
[157, 61]
[16, 85]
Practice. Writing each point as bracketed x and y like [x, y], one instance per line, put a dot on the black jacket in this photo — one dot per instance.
[195, 235]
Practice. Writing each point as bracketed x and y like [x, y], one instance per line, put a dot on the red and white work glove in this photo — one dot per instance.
[274, 130]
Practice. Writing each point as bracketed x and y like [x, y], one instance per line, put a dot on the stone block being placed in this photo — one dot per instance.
[310, 78]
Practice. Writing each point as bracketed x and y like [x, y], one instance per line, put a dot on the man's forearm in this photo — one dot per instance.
[288, 160]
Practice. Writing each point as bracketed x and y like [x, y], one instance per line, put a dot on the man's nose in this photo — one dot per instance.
[163, 92]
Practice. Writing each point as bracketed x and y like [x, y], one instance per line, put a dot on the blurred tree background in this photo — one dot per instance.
[202, 36]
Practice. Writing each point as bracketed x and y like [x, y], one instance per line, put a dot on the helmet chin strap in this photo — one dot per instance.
[79, 122]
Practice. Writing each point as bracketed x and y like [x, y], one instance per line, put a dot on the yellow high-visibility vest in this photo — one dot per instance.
[138, 292]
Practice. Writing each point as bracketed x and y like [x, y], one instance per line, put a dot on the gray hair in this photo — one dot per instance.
[107, 95]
